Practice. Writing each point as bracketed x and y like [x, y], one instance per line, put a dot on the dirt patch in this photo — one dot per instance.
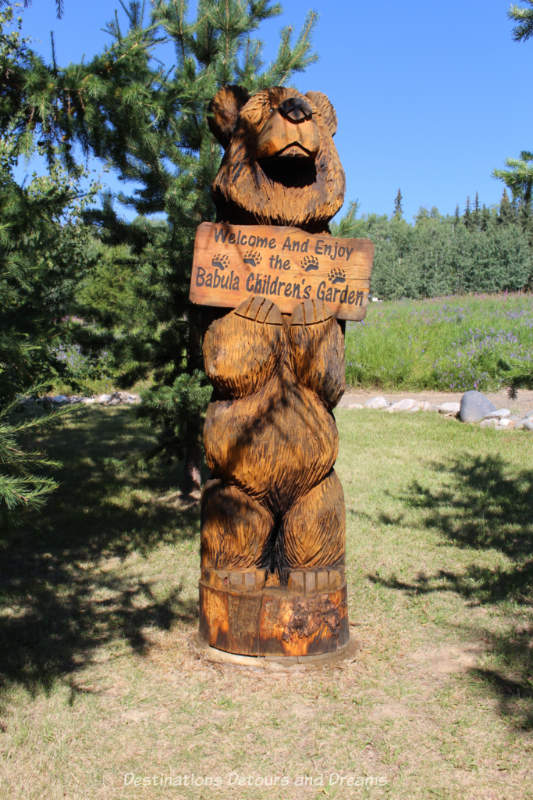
[521, 404]
[447, 659]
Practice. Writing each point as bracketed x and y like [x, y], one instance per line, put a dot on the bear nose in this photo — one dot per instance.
[295, 109]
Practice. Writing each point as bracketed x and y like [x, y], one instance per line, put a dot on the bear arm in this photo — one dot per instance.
[317, 351]
[242, 350]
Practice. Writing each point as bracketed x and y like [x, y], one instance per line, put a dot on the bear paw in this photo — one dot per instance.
[243, 349]
[317, 350]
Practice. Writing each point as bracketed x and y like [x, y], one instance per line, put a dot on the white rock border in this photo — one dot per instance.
[117, 398]
[501, 419]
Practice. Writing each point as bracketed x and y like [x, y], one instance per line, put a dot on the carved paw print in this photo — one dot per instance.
[337, 275]
[220, 261]
[253, 258]
[309, 263]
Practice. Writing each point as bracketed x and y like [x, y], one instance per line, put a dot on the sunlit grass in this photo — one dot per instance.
[451, 344]
[100, 677]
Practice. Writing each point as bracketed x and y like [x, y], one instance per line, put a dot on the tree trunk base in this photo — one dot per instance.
[247, 612]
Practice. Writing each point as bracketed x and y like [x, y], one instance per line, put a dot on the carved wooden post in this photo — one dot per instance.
[273, 518]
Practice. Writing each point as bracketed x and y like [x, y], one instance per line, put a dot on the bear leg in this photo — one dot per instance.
[314, 529]
[235, 527]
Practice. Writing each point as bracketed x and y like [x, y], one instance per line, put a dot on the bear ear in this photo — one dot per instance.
[326, 109]
[224, 111]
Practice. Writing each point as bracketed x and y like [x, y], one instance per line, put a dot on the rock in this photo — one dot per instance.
[88, 401]
[489, 423]
[28, 403]
[354, 405]
[529, 414]
[404, 405]
[528, 423]
[499, 413]
[123, 398]
[425, 405]
[449, 408]
[102, 398]
[377, 402]
[475, 406]
[505, 423]
[59, 399]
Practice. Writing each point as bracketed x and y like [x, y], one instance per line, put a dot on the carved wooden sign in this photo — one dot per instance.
[283, 264]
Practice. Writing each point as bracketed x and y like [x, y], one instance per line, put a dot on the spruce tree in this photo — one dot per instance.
[42, 254]
[476, 215]
[518, 177]
[523, 30]
[467, 216]
[506, 212]
[398, 210]
[149, 122]
[485, 217]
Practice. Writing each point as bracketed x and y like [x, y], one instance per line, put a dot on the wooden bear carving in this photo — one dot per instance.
[273, 520]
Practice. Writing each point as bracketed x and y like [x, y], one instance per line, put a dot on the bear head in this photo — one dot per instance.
[280, 165]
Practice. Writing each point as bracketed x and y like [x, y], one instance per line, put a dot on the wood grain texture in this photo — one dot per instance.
[278, 168]
[274, 621]
[280, 440]
[285, 265]
[316, 346]
[237, 361]
[314, 528]
[235, 527]
[273, 518]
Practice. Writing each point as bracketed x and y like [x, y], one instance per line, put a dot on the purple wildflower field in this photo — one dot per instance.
[482, 342]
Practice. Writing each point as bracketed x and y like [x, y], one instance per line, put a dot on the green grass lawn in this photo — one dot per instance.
[101, 675]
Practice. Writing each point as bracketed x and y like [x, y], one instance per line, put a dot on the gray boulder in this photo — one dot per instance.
[475, 407]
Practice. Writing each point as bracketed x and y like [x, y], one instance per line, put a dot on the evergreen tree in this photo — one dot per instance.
[348, 225]
[519, 179]
[149, 122]
[524, 19]
[24, 482]
[398, 210]
[438, 256]
[485, 217]
[476, 215]
[42, 254]
[506, 214]
[467, 216]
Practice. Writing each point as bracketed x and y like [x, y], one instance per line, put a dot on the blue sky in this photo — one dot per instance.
[430, 96]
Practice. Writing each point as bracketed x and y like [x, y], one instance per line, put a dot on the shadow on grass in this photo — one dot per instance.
[484, 503]
[60, 596]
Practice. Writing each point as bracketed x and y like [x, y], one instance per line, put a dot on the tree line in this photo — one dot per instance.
[478, 250]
